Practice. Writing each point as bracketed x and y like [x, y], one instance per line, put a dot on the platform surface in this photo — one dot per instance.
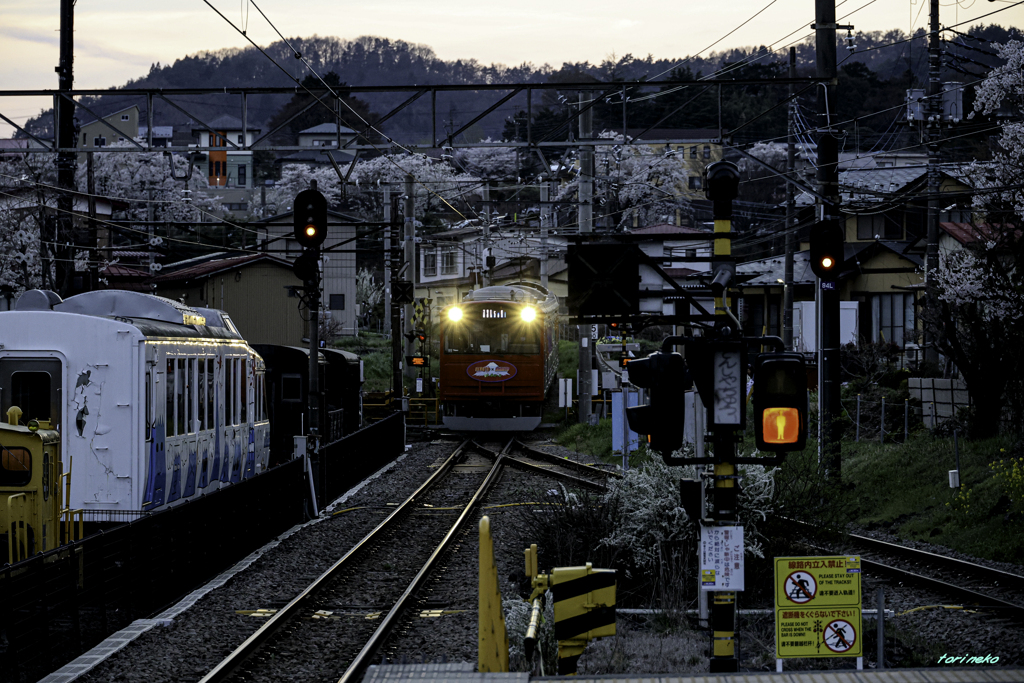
[465, 671]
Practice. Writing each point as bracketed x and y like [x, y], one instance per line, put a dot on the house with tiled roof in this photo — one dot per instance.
[257, 290]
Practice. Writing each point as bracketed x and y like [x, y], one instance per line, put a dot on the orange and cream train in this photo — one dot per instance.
[499, 355]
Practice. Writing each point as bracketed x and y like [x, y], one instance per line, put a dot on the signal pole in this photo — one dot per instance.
[388, 213]
[409, 258]
[828, 214]
[790, 238]
[397, 388]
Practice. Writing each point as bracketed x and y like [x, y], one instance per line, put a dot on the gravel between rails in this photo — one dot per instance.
[199, 638]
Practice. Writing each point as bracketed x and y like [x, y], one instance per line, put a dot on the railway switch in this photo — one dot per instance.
[584, 607]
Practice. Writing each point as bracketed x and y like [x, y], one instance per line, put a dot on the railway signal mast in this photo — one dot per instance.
[310, 231]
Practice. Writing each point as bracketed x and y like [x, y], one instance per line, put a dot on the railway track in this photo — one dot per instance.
[335, 626]
[340, 623]
[984, 588]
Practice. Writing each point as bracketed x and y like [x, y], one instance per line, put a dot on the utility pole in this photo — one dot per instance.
[409, 262]
[94, 252]
[397, 388]
[586, 219]
[545, 223]
[388, 218]
[63, 233]
[933, 130]
[485, 260]
[828, 213]
[787, 292]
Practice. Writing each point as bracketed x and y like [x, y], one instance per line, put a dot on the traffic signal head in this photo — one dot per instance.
[310, 218]
[666, 376]
[827, 242]
[307, 267]
[780, 402]
[721, 181]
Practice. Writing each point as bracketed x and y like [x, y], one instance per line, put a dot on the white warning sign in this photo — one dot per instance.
[721, 558]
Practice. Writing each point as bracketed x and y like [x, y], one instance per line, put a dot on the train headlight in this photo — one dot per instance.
[455, 314]
[529, 314]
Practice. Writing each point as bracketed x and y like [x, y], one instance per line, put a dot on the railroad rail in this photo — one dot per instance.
[304, 603]
[884, 559]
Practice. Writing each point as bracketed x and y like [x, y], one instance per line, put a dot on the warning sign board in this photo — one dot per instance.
[818, 632]
[816, 581]
[817, 606]
[721, 558]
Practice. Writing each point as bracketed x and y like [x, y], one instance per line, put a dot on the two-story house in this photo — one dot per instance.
[228, 166]
[120, 126]
[320, 144]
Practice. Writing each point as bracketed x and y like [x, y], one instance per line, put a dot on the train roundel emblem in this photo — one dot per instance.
[491, 370]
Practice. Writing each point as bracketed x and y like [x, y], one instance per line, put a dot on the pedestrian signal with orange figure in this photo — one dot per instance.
[780, 402]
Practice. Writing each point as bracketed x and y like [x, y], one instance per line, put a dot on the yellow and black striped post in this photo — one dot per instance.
[721, 187]
[492, 642]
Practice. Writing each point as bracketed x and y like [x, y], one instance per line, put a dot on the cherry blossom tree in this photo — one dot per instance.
[981, 287]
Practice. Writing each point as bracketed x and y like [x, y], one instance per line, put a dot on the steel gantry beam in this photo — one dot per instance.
[146, 97]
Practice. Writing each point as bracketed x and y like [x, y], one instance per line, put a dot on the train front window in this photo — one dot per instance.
[30, 391]
[499, 336]
[15, 466]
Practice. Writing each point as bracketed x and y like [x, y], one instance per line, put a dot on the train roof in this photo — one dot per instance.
[518, 292]
[154, 316]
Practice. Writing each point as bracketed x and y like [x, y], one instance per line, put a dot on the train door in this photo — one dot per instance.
[35, 386]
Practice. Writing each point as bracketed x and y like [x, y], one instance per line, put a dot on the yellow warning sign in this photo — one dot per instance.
[817, 607]
[818, 632]
[817, 581]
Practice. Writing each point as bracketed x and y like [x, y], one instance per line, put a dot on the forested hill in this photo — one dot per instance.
[378, 61]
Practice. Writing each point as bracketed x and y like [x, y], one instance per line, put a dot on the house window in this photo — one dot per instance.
[693, 152]
[448, 261]
[216, 168]
[429, 263]
[292, 248]
[124, 117]
[694, 182]
[120, 139]
[707, 151]
[879, 226]
[211, 140]
[240, 140]
[241, 176]
[99, 141]
[85, 141]
[892, 318]
[337, 302]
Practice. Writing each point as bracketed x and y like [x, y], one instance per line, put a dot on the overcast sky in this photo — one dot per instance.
[116, 40]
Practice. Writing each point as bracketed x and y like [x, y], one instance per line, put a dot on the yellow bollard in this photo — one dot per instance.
[492, 643]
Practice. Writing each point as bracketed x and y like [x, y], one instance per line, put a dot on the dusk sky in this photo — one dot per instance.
[116, 40]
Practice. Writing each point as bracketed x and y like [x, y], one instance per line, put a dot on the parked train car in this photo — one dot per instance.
[499, 355]
[154, 402]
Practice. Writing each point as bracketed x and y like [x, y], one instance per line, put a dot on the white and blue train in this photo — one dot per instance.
[155, 402]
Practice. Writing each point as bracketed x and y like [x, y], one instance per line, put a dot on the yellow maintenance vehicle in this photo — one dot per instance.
[33, 486]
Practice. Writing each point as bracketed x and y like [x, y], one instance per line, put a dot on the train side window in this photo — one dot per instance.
[201, 393]
[169, 387]
[15, 466]
[262, 384]
[238, 389]
[210, 392]
[180, 392]
[229, 391]
[190, 396]
[244, 393]
[30, 391]
[291, 387]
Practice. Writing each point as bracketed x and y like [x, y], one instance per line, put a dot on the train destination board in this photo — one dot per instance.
[817, 607]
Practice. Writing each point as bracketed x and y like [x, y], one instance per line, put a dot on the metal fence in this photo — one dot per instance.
[57, 605]
[360, 454]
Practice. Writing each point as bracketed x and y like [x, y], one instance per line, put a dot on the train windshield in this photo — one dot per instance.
[493, 331]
